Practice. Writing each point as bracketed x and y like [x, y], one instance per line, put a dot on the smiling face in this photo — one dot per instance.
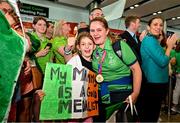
[9, 12]
[5, 5]
[96, 13]
[10, 19]
[156, 26]
[98, 32]
[40, 26]
[86, 47]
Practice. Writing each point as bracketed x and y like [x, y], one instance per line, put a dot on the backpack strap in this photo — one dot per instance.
[117, 49]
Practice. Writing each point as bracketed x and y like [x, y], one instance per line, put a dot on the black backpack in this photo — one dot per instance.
[117, 49]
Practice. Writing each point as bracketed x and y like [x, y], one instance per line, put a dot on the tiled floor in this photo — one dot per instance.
[175, 117]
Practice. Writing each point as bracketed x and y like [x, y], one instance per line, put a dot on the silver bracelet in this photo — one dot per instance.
[67, 52]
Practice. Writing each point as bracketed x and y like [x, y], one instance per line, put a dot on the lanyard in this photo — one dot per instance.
[101, 61]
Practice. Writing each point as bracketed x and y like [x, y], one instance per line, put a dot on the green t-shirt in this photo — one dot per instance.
[59, 42]
[48, 57]
[173, 54]
[177, 56]
[112, 67]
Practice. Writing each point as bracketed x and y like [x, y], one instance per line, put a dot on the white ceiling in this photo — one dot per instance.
[169, 8]
[79, 3]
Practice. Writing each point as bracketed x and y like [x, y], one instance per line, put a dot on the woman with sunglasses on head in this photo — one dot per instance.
[62, 43]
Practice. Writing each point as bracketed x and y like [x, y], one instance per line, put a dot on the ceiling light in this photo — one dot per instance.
[136, 5]
[154, 13]
[178, 17]
[173, 18]
[132, 7]
[159, 12]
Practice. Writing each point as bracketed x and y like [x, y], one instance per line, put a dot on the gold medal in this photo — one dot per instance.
[99, 78]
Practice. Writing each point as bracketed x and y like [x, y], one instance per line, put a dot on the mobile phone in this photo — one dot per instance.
[48, 45]
[169, 33]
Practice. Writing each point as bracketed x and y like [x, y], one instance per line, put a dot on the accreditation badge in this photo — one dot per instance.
[99, 78]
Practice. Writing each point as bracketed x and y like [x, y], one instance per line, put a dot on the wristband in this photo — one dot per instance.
[67, 52]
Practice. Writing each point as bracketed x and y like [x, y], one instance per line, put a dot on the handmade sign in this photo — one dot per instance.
[71, 93]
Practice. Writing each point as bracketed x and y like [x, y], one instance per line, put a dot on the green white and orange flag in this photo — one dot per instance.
[71, 93]
[12, 53]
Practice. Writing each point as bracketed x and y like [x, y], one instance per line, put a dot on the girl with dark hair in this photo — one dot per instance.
[41, 54]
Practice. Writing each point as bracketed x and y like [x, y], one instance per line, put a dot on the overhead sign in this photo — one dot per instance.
[34, 10]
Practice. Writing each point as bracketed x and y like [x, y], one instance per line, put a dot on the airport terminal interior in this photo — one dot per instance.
[78, 16]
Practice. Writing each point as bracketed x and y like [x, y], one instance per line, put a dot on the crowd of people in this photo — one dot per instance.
[141, 71]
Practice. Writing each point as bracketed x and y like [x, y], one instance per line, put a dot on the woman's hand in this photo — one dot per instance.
[170, 43]
[42, 52]
[71, 41]
[134, 97]
[171, 40]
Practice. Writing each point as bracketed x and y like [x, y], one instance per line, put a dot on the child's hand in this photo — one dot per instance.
[40, 93]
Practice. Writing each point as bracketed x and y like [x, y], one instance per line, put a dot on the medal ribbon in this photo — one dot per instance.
[101, 61]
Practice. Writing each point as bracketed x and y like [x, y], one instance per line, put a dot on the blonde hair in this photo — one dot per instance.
[58, 28]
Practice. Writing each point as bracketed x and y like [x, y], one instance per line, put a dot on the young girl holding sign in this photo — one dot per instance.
[82, 61]
[85, 46]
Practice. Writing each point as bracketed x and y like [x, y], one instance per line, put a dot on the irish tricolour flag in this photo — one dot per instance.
[12, 51]
[71, 92]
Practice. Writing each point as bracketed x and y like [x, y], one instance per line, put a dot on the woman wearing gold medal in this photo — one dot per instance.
[113, 74]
